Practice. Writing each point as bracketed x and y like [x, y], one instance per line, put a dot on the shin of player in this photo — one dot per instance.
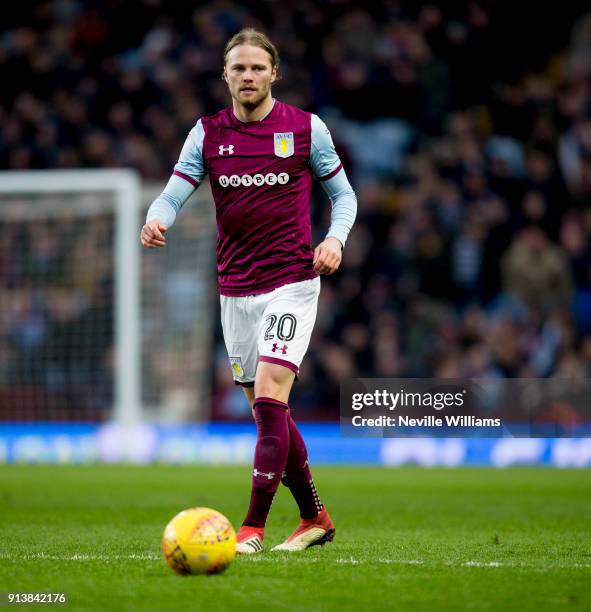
[281, 454]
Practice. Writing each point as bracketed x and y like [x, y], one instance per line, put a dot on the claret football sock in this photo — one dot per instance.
[297, 476]
[270, 456]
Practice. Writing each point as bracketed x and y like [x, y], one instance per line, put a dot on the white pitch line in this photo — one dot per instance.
[41, 556]
[352, 561]
[349, 561]
[402, 561]
[299, 559]
[518, 565]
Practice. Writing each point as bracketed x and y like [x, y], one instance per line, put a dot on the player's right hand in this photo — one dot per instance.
[152, 234]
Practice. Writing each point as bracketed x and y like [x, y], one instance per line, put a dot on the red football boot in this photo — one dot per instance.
[311, 532]
[249, 540]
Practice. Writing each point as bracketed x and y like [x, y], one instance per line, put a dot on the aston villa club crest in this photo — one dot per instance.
[236, 365]
[284, 146]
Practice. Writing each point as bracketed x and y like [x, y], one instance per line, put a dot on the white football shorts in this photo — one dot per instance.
[274, 327]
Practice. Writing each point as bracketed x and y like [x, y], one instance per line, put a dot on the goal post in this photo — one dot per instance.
[111, 203]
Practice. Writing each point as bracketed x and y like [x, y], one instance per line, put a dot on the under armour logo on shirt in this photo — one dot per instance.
[229, 149]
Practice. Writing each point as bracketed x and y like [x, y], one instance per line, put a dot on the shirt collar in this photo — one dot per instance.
[258, 120]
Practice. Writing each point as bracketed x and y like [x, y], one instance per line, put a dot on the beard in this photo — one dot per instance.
[251, 101]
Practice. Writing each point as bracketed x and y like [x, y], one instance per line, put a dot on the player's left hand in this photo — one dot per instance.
[327, 256]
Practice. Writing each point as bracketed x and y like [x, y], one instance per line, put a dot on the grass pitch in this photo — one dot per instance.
[407, 539]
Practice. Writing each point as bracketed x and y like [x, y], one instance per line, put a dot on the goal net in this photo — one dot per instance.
[92, 326]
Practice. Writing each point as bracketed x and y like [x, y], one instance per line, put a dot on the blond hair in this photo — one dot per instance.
[250, 36]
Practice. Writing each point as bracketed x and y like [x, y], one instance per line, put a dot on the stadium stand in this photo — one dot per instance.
[472, 163]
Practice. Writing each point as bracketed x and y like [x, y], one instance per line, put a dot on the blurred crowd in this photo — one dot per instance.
[465, 127]
[56, 319]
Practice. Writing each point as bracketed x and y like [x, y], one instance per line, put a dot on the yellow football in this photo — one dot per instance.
[199, 541]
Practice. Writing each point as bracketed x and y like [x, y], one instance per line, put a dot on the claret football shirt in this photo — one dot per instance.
[261, 176]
